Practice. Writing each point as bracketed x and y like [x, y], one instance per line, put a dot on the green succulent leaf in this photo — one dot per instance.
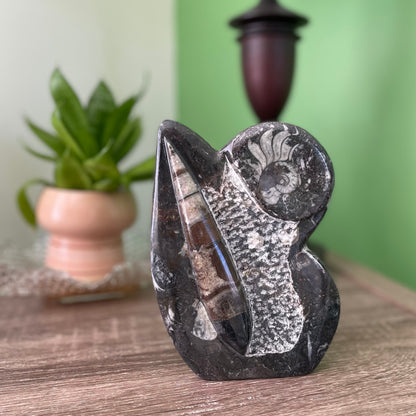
[118, 118]
[48, 139]
[23, 202]
[140, 172]
[72, 114]
[107, 185]
[65, 135]
[87, 143]
[102, 166]
[100, 105]
[38, 154]
[70, 174]
[127, 139]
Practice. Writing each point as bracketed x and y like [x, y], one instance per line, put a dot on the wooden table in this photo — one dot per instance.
[115, 358]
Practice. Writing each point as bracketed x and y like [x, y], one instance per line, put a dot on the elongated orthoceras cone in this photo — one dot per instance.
[216, 278]
[240, 294]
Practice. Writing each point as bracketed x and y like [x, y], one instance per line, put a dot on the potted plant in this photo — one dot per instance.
[89, 203]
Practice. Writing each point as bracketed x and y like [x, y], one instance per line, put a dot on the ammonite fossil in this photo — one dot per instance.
[238, 290]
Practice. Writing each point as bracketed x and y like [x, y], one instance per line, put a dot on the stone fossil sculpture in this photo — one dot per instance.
[239, 292]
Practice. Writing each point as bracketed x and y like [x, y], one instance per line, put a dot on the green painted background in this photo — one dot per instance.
[354, 89]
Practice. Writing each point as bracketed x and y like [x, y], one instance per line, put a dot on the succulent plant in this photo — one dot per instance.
[88, 143]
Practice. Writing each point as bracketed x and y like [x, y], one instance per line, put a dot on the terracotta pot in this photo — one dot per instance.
[85, 230]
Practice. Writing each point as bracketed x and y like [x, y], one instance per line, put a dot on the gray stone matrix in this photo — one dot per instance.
[260, 244]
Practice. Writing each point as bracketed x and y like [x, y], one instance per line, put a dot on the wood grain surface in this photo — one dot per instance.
[115, 358]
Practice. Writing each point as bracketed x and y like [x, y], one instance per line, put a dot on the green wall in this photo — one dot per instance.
[354, 89]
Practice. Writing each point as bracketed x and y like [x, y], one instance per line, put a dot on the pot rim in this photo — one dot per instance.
[86, 191]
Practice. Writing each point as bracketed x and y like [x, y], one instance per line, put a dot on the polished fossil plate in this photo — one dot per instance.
[239, 292]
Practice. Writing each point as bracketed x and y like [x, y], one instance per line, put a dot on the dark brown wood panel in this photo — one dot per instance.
[115, 358]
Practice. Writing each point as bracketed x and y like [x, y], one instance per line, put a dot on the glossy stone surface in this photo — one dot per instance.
[239, 292]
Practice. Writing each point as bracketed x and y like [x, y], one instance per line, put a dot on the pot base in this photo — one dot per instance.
[84, 260]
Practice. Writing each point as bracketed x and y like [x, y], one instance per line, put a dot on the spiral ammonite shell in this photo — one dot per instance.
[286, 168]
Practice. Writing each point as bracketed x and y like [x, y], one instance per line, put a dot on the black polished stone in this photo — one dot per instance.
[239, 292]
